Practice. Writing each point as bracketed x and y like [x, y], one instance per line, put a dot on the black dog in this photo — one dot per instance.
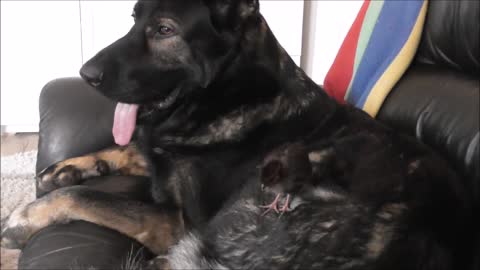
[210, 93]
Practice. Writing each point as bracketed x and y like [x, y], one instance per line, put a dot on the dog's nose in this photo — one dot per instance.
[92, 74]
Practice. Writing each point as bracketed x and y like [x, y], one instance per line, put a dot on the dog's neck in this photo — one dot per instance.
[260, 52]
[275, 72]
[261, 85]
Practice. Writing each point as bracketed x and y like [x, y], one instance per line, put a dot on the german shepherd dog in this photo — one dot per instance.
[252, 164]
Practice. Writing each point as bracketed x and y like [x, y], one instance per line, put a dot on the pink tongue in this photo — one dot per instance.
[124, 123]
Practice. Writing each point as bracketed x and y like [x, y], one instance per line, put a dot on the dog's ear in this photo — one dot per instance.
[231, 14]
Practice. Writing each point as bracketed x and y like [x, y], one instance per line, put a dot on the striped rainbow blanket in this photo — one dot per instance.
[376, 52]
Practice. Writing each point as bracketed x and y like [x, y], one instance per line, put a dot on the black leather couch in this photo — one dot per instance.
[437, 101]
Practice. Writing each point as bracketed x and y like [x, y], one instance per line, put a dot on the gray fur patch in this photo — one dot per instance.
[187, 254]
[326, 194]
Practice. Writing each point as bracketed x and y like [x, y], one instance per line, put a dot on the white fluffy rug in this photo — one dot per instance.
[17, 180]
[17, 188]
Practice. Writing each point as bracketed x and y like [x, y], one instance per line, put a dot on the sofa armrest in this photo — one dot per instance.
[440, 106]
[74, 120]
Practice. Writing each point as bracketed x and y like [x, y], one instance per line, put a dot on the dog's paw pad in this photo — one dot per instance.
[57, 176]
[68, 176]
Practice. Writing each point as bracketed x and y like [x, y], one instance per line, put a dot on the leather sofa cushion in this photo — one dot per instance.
[440, 106]
[80, 245]
[451, 35]
[74, 120]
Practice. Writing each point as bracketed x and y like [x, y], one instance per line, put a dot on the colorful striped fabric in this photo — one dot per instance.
[376, 52]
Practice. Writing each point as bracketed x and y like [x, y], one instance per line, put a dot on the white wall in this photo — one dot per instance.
[285, 18]
[99, 32]
[333, 20]
[31, 56]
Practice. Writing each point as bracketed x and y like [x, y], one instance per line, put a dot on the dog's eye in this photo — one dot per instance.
[165, 30]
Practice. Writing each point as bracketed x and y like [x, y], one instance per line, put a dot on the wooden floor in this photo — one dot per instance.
[22, 142]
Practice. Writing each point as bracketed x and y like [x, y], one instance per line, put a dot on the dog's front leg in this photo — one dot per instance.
[113, 161]
[156, 228]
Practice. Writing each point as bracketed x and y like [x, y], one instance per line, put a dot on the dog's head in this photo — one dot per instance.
[174, 48]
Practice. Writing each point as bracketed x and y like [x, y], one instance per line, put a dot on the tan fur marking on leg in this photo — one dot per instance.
[381, 236]
[391, 211]
[125, 160]
[118, 160]
[83, 163]
[161, 234]
[383, 230]
[45, 210]
[155, 229]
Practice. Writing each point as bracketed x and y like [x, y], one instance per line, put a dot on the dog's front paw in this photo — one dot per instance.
[57, 176]
[16, 231]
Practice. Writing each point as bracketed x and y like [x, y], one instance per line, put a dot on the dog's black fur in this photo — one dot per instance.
[344, 216]
[241, 96]
[234, 95]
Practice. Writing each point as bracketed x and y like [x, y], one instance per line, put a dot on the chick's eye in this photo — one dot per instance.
[165, 30]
